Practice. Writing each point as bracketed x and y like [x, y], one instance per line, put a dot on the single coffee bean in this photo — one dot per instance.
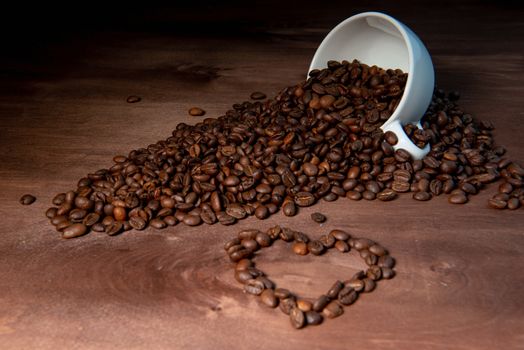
[320, 303]
[378, 250]
[170, 220]
[333, 309]
[513, 203]
[340, 235]
[119, 213]
[374, 272]
[289, 209]
[318, 217]
[313, 318]
[115, 228]
[287, 304]
[262, 212]
[354, 195]
[497, 203]
[74, 230]
[315, 247]
[250, 244]
[257, 95]
[254, 287]
[27, 199]
[342, 246]
[369, 285]
[268, 298]
[158, 223]
[422, 196]
[239, 255]
[390, 138]
[356, 284]
[98, 227]
[243, 264]
[232, 242]
[297, 318]
[300, 248]
[387, 273]
[304, 305]
[363, 243]
[263, 239]
[282, 293]
[335, 289]
[59, 199]
[327, 241]
[243, 276]
[91, 219]
[457, 199]
[192, 220]
[133, 99]
[386, 261]
[196, 112]
[304, 199]
[51, 212]
[248, 234]
[386, 195]
[347, 296]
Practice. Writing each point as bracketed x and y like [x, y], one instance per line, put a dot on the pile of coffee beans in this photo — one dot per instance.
[318, 140]
[301, 311]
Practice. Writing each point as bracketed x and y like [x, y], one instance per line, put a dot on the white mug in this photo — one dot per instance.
[375, 38]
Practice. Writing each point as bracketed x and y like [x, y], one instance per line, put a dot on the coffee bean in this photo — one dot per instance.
[268, 298]
[386, 261]
[300, 248]
[59, 199]
[369, 285]
[192, 220]
[318, 217]
[347, 296]
[333, 309]
[27, 199]
[374, 272]
[304, 199]
[327, 241]
[243, 276]
[457, 199]
[263, 239]
[282, 293]
[497, 203]
[304, 305]
[297, 318]
[98, 227]
[335, 289]
[119, 213]
[243, 264]
[232, 242]
[320, 303]
[340, 235]
[74, 230]
[254, 287]
[422, 196]
[91, 219]
[262, 212]
[342, 246]
[51, 212]
[387, 273]
[114, 228]
[196, 112]
[289, 209]
[257, 95]
[287, 304]
[390, 138]
[239, 255]
[356, 284]
[158, 223]
[313, 318]
[310, 169]
[133, 99]
[250, 244]
[513, 203]
[315, 247]
[354, 195]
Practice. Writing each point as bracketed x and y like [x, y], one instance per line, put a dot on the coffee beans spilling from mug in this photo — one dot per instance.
[317, 140]
[241, 251]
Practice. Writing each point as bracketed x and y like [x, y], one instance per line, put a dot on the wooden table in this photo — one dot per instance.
[63, 113]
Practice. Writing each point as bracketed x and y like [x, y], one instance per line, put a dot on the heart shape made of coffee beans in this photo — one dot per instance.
[302, 312]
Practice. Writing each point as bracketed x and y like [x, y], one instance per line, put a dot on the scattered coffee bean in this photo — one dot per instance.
[74, 230]
[196, 112]
[257, 95]
[268, 298]
[27, 199]
[333, 309]
[133, 99]
[313, 318]
[297, 317]
[318, 217]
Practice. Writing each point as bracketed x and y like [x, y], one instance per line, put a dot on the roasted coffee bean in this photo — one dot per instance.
[282, 293]
[304, 199]
[363, 243]
[133, 99]
[386, 195]
[335, 289]
[390, 138]
[74, 230]
[158, 223]
[356, 284]
[387, 273]
[342, 246]
[374, 272]
[354, 195]
[114, 228]
[422, 196]
[208, 216]
[254, 287]
[304, 305]
[333, 309]
[268, 298]
[98, 227]
[250, 244]
[318, 217]
[257, 95]
[369, 285]
[196, 112]
[386, 261]
[320, 303]
[59, 199]
[313, 318]
[27, 199]
[239, 255]
[262, 212]
[243, 276]
[315, 247]
[458, 199]
[340, 235]
[378, 250]
[513, 203]
[263, 239]
[300, 248]
[51, 212]
[192, 220]
[497, 203]
[327, 241]
[297, 318]
[232, 242]
[91, 219]
[289, 209]
[287, 304]
[225, 219]
[347, 296]
[243, 264]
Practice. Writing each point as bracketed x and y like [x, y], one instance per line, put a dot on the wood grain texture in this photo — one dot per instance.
[63, 113]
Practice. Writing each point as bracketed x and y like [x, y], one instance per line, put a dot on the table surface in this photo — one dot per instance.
[63, 113]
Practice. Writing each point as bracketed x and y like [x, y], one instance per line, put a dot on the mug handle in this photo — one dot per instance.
[403, 140]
